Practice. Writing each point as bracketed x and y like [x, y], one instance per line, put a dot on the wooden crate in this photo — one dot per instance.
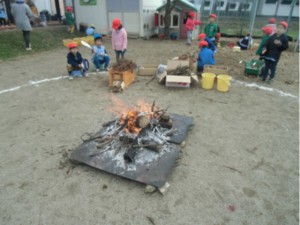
[126, 76]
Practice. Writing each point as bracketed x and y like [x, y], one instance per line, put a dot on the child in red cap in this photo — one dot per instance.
[119, 39]
[211, 45]
[77, 66]
[267, 33]
[205, 56]
[190, 26]
[70, 19]
[277, 43]
[211, 29]
[272, 25]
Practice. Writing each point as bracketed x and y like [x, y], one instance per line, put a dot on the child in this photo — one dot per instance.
[77, 66]
[3, 16]
[119, 39]
[277, 43]
[190, 25]
[245, 42]
[211, 29]
[267, 33]
[100, 55]
[211, 45]
[90, 30]
[205, 56]
[70, 19]
[272, 24]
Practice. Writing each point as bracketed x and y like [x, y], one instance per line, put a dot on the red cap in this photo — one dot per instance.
[203, 43]
[284, 24]
[72, 45]
[116, 23]
[201, 36]
[192, 14]
[267, 30]
[272, 20]
[213, 16]
[69, 8]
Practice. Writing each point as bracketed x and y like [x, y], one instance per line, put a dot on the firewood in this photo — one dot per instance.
[166, 124]
[130, 154]
[165, 117]
[152, 145]
[142, 121]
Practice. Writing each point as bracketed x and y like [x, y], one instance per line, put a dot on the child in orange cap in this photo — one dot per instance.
[205, 56]
[276, 44]
[119, 39]
[190, 26]
[211, 29]
[77, 66]
[267, 33]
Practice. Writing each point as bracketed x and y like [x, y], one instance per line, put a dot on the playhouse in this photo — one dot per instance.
[178, 18]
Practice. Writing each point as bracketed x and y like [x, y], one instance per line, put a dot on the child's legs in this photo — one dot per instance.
[123, 54]
[2, 22]
[273, 69]
[189, 36]
[266, 70]
[118, 53]
[96, 61]
[105, 60]
[26, 35]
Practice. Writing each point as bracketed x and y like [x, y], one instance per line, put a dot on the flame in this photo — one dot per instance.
[129, 114]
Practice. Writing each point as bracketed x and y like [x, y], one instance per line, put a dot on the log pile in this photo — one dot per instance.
[124, 65]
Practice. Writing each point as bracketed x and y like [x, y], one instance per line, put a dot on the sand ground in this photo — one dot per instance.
[240, 164]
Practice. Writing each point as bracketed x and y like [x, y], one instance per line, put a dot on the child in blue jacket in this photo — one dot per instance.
[211, 44]
[205, 56]
[100, 55]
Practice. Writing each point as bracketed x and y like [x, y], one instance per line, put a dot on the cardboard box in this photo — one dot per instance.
[174, 63]
[147, 70]
[216, 69]
[178, 81]
[126, 76]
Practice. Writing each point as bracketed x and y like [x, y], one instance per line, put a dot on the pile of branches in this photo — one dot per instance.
[181, 70]
[124, 65]
[186, 56]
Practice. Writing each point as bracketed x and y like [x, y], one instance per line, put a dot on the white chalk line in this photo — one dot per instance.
[269, 89]
[36, 83]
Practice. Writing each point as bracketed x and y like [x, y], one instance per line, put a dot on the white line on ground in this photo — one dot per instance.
[281, 93]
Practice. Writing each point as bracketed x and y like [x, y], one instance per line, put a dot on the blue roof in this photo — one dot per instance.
[184, 2]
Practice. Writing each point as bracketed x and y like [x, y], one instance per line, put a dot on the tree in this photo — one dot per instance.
[169, 7]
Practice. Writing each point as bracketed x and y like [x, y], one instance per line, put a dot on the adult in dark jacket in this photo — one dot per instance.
[276, 44]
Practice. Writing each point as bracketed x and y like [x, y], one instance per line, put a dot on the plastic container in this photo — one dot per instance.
[254, 67]
[208, 80]
[223, 83]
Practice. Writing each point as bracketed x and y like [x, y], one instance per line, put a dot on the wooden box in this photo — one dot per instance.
[147, 70]
[126, 76]
[218, 70]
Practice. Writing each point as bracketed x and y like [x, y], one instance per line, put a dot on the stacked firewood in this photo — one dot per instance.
[124, 65]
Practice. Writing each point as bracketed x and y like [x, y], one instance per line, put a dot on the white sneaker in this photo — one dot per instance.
[28, 49]
[71, 78]
[86, 75]
[97, 70]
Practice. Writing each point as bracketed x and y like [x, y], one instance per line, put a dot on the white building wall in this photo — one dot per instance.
[95, 14]
[44, 5]
[148, 11]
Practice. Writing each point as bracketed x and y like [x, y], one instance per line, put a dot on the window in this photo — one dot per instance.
[175, 20]
[206, 3]
[221, 4]
[286, 2]
[271, 1]
[246, 6]
[232, 5]
[297, 3]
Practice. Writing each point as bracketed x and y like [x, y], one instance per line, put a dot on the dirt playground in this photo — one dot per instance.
[239, 165]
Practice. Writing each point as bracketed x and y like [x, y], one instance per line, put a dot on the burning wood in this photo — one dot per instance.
[123, 65]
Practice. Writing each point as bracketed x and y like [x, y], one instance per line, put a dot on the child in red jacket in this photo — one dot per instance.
[190, 25]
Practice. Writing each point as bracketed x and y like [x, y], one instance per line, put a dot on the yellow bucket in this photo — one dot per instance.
[208, 80]
[223, 83]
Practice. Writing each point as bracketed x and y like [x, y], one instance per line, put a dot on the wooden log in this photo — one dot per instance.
[142, 121]
[152, 145]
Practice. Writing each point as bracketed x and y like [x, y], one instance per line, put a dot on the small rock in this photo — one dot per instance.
[182, 144]
[164, 188]
[149, 188]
